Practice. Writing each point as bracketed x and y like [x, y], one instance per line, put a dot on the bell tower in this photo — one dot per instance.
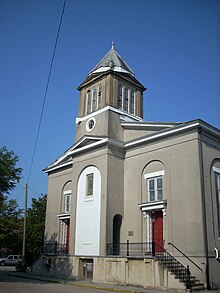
[110, 84]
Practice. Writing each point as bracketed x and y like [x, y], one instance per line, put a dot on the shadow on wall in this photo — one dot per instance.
[53, 262]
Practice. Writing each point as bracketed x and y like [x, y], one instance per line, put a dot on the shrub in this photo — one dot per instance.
[21, 266]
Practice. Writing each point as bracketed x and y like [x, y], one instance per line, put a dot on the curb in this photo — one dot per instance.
[38, 278]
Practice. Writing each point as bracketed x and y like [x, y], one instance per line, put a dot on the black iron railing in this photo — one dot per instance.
[185, 255]
[130, 249]
[55, 248]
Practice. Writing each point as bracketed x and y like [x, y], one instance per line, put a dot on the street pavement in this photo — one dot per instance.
[80, 286]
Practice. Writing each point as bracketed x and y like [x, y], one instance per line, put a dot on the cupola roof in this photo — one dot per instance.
[112, 60]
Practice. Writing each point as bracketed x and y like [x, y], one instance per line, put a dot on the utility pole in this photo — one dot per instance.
[25, 217]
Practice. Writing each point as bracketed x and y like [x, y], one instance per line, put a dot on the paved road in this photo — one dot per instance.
[12, 284]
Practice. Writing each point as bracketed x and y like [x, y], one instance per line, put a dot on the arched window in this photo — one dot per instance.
[120, 97]
[94, 100]
[126, 99]
[99, 96]
[88, 102]
[67, 201]
[132, 102]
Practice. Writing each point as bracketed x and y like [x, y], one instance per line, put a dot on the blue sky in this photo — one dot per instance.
[173, 46]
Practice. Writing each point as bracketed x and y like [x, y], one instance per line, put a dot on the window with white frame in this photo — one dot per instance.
[154, 182]
[217, 189]
[67, 201]
[126, 99]
[155, 188]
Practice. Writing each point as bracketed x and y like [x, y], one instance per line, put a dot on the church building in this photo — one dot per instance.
[134, 195]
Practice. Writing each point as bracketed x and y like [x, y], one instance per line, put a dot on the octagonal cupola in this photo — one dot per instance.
[111, 83]
[112, 61]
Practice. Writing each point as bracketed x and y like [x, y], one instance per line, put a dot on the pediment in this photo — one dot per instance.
[87, 141]
[84, 144]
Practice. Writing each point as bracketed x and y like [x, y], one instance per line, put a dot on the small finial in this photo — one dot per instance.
[113, 45]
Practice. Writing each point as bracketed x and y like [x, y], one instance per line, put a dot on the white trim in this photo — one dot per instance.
[64, 216]
[201, 124]
[67, 192]
[80, 119]
[161, 134]
[104, 140]
[142, 125]
[58, 167]
[116, 68]
[154, 174]
[153, 205]
[84, 139]
[74, 149]
[215, 169]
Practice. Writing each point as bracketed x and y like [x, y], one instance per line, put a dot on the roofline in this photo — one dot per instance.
[113, 109]
[97, 75]
[185, 126]
[121, 61]
[150, 124]
[49, 169]
[199, 124]
[102, 141]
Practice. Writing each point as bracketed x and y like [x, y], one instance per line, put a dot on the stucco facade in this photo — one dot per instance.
[126, 179]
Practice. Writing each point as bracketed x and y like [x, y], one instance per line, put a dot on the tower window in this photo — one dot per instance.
[132, 101]
[99, 96]
[94, 100]
[120, 97]
[126, 99]
[88, 103]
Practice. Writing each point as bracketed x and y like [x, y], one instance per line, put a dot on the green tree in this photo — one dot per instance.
[11, 226]
[10, 214]
[9, 174]
[35, 228]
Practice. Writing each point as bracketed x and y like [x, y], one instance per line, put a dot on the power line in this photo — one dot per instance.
[46, 90]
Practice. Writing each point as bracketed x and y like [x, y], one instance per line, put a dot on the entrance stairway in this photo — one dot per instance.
[177, 269]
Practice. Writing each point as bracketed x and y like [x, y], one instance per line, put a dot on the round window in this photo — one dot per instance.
[90, 125]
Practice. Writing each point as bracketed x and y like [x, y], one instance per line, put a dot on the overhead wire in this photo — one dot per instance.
[46, 90]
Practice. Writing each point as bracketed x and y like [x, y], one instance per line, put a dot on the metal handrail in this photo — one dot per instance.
[166, 255]
[185, 256]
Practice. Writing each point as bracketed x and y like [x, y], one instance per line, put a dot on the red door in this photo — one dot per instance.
[157, 230]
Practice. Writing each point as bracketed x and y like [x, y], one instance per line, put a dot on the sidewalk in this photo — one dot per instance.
[90, 284]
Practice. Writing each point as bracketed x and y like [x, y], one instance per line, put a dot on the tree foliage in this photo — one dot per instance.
[10, 214]
[11, 227]
[35, 227]
[9, 173]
